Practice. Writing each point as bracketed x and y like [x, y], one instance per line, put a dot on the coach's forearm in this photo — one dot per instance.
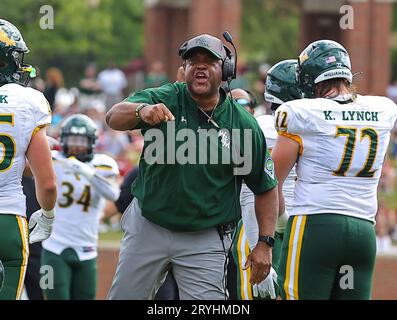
[266, 209]
[122, 116]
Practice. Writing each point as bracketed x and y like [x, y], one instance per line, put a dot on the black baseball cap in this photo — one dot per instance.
[205, 41]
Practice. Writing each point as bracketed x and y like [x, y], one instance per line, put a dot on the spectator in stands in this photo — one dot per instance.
[156, 76]
[54, 81]
[113, 82]
[89, 88]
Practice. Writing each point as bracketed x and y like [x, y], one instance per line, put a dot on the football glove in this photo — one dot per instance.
[282, 222]
[79, 167]
[266, 287]
[41, 225]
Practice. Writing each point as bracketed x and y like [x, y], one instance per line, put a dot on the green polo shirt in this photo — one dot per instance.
[182, 187]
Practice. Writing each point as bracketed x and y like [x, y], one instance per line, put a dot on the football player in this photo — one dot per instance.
[338, 140]
[281, 86]
[85, 179]
[24, 115]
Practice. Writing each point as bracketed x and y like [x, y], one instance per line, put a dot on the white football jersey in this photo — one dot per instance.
[79, 208]
[342, 149]
[22, 112]
[266, 122]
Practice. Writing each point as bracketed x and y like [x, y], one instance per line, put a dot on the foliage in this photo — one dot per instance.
[270, 30]
[101, 31]
[84, 31]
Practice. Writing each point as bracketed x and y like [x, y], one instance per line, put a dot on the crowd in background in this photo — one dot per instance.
[98, 91]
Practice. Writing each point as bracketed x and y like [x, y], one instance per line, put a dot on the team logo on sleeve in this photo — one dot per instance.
[269, 167]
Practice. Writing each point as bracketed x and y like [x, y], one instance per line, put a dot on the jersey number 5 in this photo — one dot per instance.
[8, 143]
[350, 145]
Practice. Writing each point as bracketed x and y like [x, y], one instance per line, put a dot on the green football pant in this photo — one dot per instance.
[73, 279]
[240, 253]
[327, 256]
[14, 254]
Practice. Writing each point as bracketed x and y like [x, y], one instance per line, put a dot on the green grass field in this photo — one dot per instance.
[111, 236]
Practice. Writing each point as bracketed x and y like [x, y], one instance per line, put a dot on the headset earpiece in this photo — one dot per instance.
[182, 49]
[228, 66]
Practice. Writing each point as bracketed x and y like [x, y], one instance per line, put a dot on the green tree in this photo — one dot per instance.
[270, 30]
[84, 31]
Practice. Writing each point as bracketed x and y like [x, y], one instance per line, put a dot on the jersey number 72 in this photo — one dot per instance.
[350, 145]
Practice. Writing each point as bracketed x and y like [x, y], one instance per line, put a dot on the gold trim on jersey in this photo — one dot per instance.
[240, 263]
[293, 258]
[37, 129]
[293, 137]
[103, 167]
[23, 230]
[243, 251]
[248, 271]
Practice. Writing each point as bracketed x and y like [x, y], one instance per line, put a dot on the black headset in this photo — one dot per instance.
[228, 66]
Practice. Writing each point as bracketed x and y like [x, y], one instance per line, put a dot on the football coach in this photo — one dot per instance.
[183, 212]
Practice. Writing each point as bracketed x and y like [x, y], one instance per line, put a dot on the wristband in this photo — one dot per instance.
[49, 213]
[140, 107]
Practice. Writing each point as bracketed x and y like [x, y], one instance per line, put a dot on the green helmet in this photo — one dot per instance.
[282, 84]
[12, 50]
[79, 125]
[2, 275]
[322, 60]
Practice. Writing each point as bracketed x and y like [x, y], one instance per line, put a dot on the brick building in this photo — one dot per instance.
[366, 34]
[168, 23]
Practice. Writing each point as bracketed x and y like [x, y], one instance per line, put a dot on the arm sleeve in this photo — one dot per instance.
[106, 187]
[262, 177]
[247, 201]
[42, 110]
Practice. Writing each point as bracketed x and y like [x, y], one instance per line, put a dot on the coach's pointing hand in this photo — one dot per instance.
[156, 113]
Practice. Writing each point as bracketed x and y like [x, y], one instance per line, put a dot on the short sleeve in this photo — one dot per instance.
[290, 123]
[166, 94]
[41, 108]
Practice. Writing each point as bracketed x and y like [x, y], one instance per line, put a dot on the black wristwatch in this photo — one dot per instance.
[268, 240]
